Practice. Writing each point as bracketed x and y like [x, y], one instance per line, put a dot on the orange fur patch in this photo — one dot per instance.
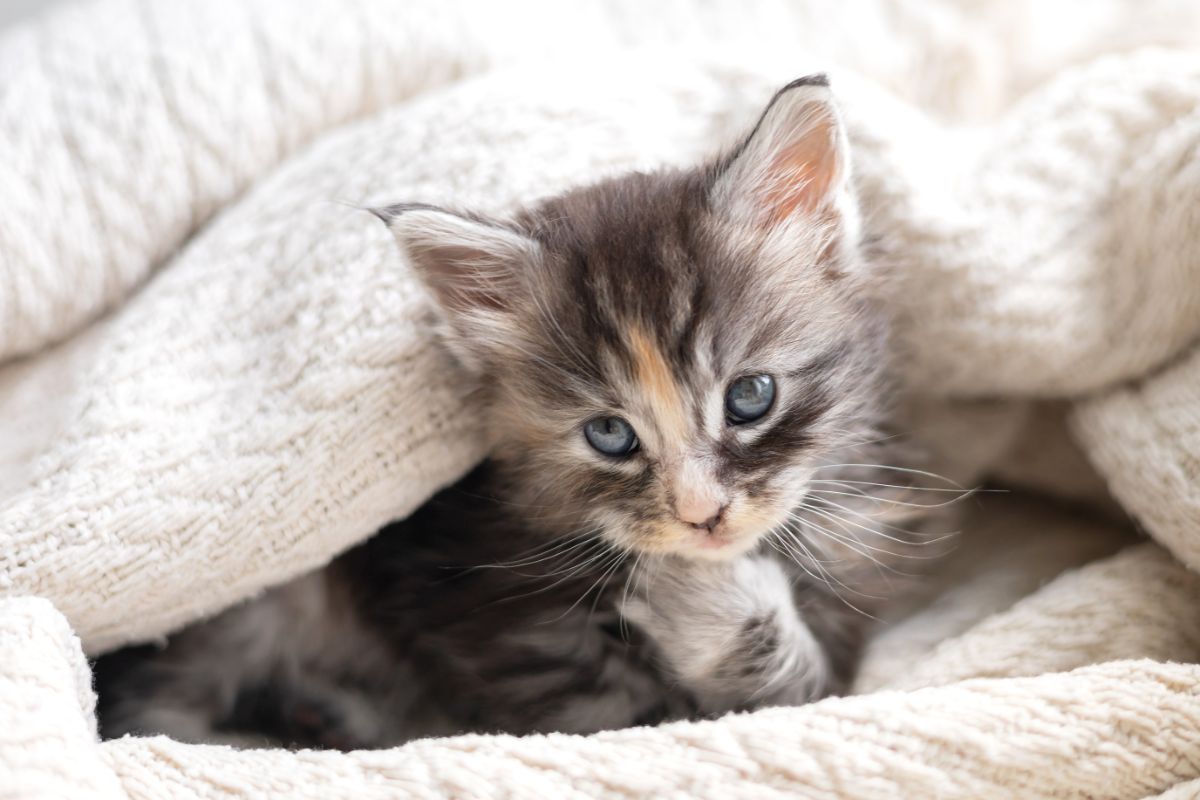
[654, 376]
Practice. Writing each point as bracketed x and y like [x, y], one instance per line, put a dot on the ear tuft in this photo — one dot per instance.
[387, 214]
[794, 162]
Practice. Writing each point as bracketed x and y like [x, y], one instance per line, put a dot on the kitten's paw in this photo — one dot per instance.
[730, 632]
[307, 714]
[308, 722]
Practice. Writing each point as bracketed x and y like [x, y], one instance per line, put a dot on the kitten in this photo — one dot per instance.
[691, 505]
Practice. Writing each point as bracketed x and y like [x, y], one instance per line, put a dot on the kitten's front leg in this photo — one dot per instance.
[730, 632]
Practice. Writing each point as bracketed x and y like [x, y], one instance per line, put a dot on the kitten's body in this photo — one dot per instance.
[722, 560]
[416, 632]
[462, 619]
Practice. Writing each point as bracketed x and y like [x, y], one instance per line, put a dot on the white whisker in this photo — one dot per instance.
[905, 470]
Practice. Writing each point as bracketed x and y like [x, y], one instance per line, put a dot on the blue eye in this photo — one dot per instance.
[749, 398]
[612, 436]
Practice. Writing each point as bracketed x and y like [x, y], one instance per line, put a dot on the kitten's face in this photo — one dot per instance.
[669, 356]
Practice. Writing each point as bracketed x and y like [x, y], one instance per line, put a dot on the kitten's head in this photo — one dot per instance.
[668, 356]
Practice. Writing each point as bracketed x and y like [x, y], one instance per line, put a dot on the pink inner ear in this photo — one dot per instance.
[803, 172]
[462, 278]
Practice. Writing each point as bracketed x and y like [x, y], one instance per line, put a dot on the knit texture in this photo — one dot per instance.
[217, 371]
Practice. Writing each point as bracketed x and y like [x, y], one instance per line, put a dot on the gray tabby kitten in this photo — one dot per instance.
[691, 504]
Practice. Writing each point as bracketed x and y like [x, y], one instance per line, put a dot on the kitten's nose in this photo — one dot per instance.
[702, 517]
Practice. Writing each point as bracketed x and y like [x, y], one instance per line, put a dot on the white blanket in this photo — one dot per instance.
[218, 372]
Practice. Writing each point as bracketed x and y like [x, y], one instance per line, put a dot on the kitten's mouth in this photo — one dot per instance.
[712, 541]
[716, 545]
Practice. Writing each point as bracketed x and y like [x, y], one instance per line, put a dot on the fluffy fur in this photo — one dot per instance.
[716, 566]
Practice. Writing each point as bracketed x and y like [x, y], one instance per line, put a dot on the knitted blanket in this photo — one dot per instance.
[216, 372]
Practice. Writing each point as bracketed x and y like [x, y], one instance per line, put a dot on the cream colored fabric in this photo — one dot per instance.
[218, 371]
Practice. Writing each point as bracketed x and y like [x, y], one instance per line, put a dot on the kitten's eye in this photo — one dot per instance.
[749, 398]
[612, 436]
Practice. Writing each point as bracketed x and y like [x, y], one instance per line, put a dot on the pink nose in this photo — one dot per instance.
[701, 516]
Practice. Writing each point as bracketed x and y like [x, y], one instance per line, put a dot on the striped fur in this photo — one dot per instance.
[559, 588]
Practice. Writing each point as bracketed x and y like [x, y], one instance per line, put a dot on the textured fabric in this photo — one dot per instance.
[217, 370]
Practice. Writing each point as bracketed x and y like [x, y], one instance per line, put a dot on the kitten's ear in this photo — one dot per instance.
[794, 162]
[474, 269]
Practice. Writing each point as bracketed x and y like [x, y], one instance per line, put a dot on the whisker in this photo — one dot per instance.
[610, 564]
[548, 548]
[863, 442]
[905, 470]
[875, 498]
[591, 561]
[918, 538]
[579, 560]
[849, 542]
[634, 576]
[795, 538]
[800, 561]
[600, 593]
[545, 551]
[846, 539]
[910, 487]
[498, 500]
